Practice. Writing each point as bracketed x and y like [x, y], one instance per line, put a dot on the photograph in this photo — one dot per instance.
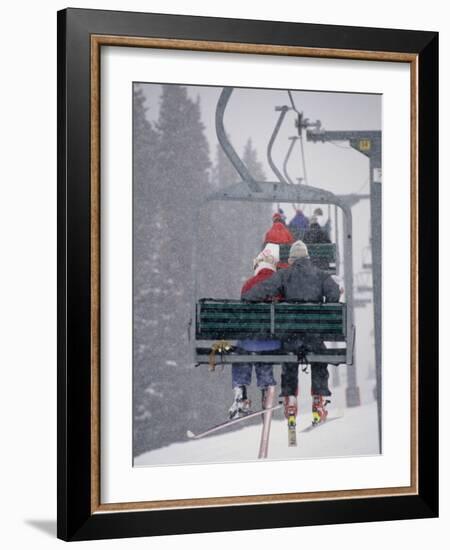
[256, 320]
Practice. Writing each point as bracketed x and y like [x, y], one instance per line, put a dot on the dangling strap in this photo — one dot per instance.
[222, 346]
[303, 361]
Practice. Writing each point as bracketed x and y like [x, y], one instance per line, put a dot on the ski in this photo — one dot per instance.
[292, 431]
[315, 426]
[229, 423]
[268, 399]
[290, 412]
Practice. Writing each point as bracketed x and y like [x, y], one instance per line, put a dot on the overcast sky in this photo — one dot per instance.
[251, 113]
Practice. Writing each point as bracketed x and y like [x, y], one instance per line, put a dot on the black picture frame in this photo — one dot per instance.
[77, 519]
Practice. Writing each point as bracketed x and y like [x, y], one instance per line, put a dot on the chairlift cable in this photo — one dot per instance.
[305, 176]
[285, 171]
[291, 99]
[283, 110]
[286, 160]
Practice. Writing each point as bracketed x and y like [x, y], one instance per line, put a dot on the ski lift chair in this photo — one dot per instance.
[226, 321]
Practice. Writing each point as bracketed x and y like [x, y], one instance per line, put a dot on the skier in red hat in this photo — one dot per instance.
[276, 235]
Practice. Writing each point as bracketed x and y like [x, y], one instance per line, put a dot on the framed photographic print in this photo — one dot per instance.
[247, 274]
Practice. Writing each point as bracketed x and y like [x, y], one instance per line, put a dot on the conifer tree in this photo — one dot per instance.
[250, 159]
[183, 151]
[147, 250]
[223, 172]
[181, 161]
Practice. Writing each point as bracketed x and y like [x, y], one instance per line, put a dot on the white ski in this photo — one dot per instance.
[229, 423]
[267, 420]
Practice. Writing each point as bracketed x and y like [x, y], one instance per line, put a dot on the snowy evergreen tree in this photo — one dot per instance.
[183, 151]
[145, 143]
[223, 172]
[146, 252]
[250, 159]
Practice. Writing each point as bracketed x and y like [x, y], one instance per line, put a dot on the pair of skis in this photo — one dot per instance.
[292, 426]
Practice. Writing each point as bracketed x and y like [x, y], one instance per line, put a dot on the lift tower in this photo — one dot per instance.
[369, 144]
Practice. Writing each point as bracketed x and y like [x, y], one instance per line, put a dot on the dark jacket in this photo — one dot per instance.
[300, 282]
[261, 276]
[299, 220]
[315, 234]
[298, 225]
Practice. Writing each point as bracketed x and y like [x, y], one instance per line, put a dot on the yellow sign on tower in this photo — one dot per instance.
[365, 144]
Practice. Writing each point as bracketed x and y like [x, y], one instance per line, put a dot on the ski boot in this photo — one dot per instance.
[290, 406]
[241, 405]
[290, 412]
[319, 411]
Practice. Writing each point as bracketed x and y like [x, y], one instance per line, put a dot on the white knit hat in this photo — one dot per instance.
[266, 259]
[273, 249]
[298, 250]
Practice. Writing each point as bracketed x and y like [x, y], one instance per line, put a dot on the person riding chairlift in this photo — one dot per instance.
[315, 234]
[299, 224]
[276, 235]
[264, 266]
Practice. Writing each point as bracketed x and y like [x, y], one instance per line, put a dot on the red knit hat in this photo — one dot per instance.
[278, 234]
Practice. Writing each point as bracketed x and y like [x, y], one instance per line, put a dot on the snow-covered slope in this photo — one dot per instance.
[353, 433]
